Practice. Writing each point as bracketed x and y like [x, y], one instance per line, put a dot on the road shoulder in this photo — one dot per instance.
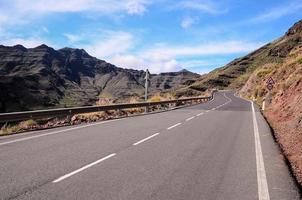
[281, 183]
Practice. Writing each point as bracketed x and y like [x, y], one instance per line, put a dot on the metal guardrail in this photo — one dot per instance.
[40, 114]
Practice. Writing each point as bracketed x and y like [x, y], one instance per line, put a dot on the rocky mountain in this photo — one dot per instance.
[43, 77]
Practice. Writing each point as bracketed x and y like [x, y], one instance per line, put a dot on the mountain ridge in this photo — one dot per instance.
[42, 77]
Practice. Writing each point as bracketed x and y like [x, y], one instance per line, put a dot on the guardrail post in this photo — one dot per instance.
[69, 116]
[68, 119]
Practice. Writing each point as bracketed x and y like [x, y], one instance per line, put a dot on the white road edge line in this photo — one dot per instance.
[199, 114]
[83, 168]
[173, 126]
[55, 132]
[190, 118]
[147, 138]
[263, 193]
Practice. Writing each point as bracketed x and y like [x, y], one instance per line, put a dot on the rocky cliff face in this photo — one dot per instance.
[42, 77]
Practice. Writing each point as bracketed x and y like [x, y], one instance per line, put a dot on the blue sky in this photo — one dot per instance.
[162, 35]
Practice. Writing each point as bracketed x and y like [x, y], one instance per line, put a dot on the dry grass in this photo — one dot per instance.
[156, 98]
[104, 102]
[9, 129]
[89, 117]
[15, 128]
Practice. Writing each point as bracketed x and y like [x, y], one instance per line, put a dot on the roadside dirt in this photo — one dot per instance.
[285, 116]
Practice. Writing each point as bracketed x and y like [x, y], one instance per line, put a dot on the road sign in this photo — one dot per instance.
[270, 81]
[270, 86]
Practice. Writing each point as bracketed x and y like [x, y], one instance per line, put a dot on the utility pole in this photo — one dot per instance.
[146, 84]
[146, 88]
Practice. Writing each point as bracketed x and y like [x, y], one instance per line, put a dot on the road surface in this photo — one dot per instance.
[222, 149]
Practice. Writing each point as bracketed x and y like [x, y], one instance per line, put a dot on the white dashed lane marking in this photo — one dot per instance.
[199, 114]
[173, 126]
[83, 168]
[147, 138]
[190, 118]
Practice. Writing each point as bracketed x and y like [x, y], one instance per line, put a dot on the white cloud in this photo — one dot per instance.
[187, 22]
[45, 29]
[198, 63]
[164, 58]
[136, 6]
[170, 66]
[113, 43]
[217, 48]
[3, 17]
[141, 63]
[104, 6]
[279, 11]
[72, 38]
[25, 11]
[128, 61]
[204, 71]
[158, 66]
[205, 6]
[42, 6]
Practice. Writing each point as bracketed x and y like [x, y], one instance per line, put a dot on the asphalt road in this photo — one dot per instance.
[215, 150]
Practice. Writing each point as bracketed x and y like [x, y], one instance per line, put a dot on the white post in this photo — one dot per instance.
[146, 88]
[146, 84]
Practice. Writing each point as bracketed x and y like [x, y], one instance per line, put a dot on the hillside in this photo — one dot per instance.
[284, 103]
[43, 77]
